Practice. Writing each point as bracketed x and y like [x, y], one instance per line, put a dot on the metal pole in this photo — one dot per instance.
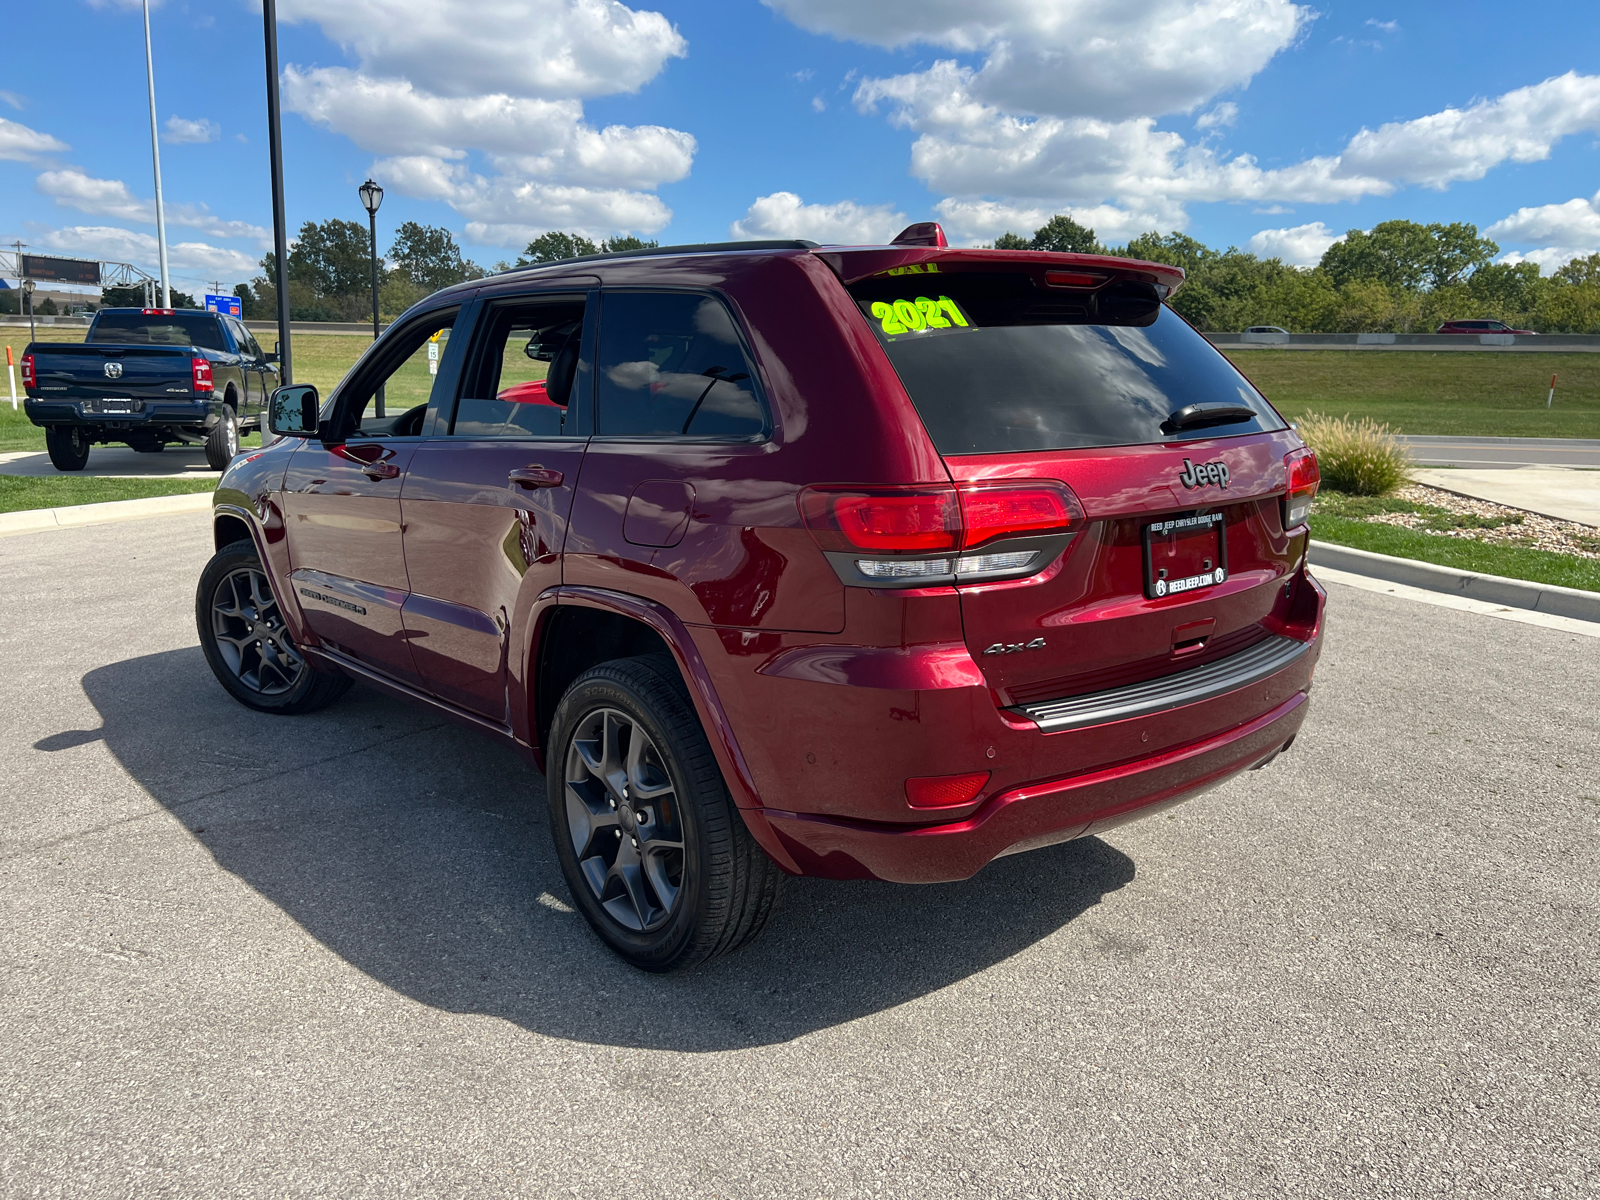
[280, 233]
[33, 334]
[372, 220]
[155, 154]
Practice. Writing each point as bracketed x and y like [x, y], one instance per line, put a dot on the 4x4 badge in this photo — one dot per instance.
[1212, 472]
[1013, 647]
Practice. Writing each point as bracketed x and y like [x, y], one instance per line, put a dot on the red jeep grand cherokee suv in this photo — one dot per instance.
[873, 562]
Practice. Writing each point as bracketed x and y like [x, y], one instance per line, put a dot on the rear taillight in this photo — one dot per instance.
[944, 791]
[923, 534]
[202, 374]
[1300, 467]
[29, 379]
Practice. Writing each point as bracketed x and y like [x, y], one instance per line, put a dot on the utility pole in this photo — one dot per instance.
[280, 233]
[155, 154]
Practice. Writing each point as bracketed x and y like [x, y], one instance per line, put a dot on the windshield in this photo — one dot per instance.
[996, 363]
[158, 329]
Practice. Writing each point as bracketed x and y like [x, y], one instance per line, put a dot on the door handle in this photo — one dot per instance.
[535, 477]
[380, 470]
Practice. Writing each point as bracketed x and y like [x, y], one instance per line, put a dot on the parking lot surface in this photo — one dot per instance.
[332, 955]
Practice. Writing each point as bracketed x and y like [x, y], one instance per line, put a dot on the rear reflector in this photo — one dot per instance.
[1300, 467]
[944, 791]
[202, 374]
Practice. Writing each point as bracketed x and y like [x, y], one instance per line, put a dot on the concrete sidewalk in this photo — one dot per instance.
[1566, 495]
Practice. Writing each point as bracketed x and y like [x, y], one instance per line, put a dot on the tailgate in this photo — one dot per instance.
[88, 371]
[1166, 574]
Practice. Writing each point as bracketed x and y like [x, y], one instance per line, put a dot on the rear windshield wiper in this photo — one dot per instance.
[1194, 416]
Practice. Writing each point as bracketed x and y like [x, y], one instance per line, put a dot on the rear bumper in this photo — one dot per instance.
[1038, 814]
[198, 415]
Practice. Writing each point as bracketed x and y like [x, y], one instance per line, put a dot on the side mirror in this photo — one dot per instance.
[270, 358]
[293, 411]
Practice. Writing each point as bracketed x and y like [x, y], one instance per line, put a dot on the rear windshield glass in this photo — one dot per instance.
[999, 362]
[166, 329]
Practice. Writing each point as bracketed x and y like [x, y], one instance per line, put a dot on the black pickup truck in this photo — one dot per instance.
[149, 377]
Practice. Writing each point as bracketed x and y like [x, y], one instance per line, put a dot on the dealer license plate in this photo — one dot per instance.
[118, 406]
[1184, 554]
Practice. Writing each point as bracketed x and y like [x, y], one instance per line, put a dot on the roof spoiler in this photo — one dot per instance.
[923, 233]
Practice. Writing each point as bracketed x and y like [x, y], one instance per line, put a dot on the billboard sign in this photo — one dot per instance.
[41, 269]
[223, 304]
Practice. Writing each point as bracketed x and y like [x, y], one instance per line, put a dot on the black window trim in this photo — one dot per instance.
[754, 439]
[443, 425]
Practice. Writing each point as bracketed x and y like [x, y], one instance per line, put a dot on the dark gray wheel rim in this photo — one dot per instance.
[248, 630]
[624, 820]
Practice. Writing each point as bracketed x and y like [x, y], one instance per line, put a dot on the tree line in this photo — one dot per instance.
[1399, 277]
[330, 269]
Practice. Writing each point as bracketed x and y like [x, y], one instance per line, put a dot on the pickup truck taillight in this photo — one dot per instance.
[202, 374]
[29, 379]
[1304, 476]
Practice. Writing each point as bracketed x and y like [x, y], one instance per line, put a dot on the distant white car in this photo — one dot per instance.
[1265, 329]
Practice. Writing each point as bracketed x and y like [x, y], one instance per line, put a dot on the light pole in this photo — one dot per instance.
[155, 154]
[27, 295]
[280, 234]
[371, 198]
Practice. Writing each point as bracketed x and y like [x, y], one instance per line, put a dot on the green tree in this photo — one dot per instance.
[1012, 241]
[1063, 235]
[554, 246]
[1408, 255]
[429, 257]
[625, 241]
[1458, 252]
[1506, 287]
[122, 297]
[1580, 271]
[1175, 250]
[333, 258]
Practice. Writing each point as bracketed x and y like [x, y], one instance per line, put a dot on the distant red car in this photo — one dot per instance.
[854, 562]
[1484, 326]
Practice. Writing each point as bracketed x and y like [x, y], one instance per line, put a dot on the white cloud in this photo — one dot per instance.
[531, 48]
[818, 104]
[1103, 58]
[785, 215]
[21, 144]
[72, 188]
[14, 100]
[181, 131]
[1460, 144]
[124, 245]
[1220, 117]
[969, 222]
[1386, 26]
[1299, 246]
[1569, 231]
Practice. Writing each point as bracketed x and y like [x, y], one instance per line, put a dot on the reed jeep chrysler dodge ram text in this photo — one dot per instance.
[859, 562]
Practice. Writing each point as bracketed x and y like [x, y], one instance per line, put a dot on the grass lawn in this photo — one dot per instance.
[1512, 562]
[57, 491]
[1475, 393]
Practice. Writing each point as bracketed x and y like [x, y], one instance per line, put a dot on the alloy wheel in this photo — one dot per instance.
[624, 820]
[250, 634]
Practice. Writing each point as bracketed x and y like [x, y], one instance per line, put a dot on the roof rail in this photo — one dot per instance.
[656, 251]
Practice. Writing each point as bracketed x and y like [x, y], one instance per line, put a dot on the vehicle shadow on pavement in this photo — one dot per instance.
[420, 853]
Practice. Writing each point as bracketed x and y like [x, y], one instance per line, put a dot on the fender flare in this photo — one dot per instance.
[702, 693]
[288, 603]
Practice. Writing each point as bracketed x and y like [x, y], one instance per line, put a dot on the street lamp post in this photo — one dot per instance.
[27, 295]
[371, 198]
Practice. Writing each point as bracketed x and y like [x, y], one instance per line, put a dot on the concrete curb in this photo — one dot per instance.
[1493, 589]
[35, 520]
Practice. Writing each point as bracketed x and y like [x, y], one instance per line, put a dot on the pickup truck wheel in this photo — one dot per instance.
[68, 446]
[656, 857]
[246, 644]
[223, 441]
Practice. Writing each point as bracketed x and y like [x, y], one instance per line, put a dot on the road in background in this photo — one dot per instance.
[262, 956]
[1503, 451]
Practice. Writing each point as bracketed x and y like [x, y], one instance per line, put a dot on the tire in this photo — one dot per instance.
[246, 644]
[223, 441]
[68, 446]
[677, 880]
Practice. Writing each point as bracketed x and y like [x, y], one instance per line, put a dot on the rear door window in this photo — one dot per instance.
[526, 372]
[997, 362]
[672, 364]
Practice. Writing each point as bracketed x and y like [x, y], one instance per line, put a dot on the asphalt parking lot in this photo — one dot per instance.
[331, 955]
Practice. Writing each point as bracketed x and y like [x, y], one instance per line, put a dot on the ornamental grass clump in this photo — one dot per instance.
[1359, 458]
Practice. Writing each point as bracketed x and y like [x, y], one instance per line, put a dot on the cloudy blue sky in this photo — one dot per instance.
[1260, 123]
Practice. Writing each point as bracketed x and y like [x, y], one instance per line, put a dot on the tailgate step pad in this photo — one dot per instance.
[1170, 691]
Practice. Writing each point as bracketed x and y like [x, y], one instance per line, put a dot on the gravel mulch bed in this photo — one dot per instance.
[1483, 521]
